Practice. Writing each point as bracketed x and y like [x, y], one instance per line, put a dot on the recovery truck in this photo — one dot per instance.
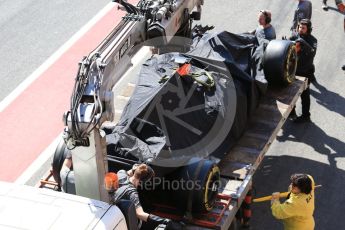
[105, 82]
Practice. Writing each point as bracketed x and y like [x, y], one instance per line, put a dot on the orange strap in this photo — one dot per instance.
[184, 69]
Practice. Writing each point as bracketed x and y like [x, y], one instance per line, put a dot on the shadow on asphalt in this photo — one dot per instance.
[327, 98]
[335, 9]
[312, 135]
[329, 205]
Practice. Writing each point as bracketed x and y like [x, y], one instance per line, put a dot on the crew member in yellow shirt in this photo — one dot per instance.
[297, 211]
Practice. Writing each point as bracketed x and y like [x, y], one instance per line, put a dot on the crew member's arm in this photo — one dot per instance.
[142, 215]
[308, 49]
[150, 218]
[67, 175]
[283, 210]
[67, 163]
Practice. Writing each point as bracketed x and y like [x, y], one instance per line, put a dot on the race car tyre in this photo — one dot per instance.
[58, 159]
[206, 197]
[280, 62]
[202, 180]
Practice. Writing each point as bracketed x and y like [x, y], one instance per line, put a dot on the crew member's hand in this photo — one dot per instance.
[156, 220]
[275, 196]
[298, 47]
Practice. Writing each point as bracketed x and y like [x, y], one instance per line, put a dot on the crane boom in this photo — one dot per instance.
[92, 100]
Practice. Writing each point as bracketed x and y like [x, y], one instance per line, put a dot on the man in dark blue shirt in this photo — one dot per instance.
[304, 10]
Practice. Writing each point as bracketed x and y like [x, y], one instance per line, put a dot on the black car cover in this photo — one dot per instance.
[192, 105]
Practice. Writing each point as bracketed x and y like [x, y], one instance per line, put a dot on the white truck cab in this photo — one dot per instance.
[25, 207]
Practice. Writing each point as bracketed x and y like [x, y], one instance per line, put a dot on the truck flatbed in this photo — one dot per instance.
[239, 165]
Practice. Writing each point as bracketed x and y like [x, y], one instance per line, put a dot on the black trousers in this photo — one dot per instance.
[305, 101]
[336, 1]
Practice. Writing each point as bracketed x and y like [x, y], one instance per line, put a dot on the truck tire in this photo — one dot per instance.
[205, 177]
[58, 159]
[280, 62]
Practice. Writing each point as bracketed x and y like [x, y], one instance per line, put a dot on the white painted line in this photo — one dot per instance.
[32, 175]
[40, 166]
[29, 80]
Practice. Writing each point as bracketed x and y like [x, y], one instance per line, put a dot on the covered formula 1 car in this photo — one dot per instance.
[189, 109]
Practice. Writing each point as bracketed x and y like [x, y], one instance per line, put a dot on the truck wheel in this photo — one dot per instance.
[280, 62]
[58, 159]
[201, 186]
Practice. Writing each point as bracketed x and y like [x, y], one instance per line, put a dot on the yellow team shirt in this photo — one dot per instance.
[297, 211]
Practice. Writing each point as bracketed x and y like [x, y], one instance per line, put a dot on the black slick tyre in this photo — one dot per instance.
[280, 62]
[200, 190]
